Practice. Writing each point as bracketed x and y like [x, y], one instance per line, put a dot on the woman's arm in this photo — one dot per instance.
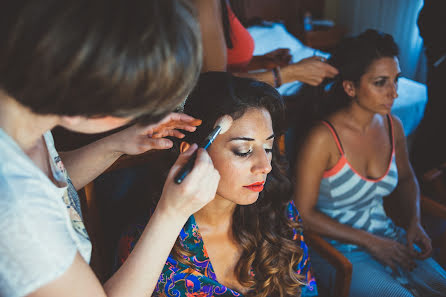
[86, 163]
[313, 159]
[310, 70]
[139, 274]
[409, 192]
[213, 39]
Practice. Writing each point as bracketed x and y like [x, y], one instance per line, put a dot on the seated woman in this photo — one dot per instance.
[354, 155]
[249, 240]
[227, 45]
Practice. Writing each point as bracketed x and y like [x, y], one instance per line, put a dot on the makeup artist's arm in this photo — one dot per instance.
[86, 163]
[138, 276]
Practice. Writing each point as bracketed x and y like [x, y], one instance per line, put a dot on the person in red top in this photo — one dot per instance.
[228, 46]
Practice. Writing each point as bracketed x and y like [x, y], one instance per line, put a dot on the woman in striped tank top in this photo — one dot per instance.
[352, 157]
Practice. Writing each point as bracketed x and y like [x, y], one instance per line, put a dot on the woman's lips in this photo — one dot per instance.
[256, 187]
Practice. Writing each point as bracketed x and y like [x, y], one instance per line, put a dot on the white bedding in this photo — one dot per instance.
[412, 96]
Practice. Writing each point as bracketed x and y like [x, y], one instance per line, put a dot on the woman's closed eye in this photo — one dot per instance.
[247, 153]
[242, 153]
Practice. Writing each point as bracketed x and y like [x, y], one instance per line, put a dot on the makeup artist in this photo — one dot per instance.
[90, 66]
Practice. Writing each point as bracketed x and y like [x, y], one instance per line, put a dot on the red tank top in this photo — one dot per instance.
[239, 56]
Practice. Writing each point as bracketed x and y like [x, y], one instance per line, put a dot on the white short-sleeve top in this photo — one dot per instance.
[41, 227]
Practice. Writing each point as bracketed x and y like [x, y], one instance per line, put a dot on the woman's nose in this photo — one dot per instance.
[262, 163]
[394, 90]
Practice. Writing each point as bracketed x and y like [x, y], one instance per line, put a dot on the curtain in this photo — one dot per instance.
[395, 17]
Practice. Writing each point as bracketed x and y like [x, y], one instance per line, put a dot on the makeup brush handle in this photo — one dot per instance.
[181, 175]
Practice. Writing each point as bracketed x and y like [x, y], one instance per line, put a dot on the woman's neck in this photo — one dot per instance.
[359, 118]
[216, 215]
[21, 124]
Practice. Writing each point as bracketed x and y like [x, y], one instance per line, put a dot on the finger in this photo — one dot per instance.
[404, 257]
[179, 125]
[391, 264]
[174, 121]
[176, 133]
[182, 160]
[158, 144]
[316, 81]
[202, 166]
[176, 116]
[410, 246]
[330, 70]
[427, 248]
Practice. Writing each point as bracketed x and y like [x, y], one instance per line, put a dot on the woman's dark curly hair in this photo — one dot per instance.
[262, 229]
[352, 57]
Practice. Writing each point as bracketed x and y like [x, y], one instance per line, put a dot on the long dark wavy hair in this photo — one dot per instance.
[352, 57]
[262, 229]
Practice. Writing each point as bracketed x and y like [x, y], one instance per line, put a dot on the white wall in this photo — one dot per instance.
[395, 17]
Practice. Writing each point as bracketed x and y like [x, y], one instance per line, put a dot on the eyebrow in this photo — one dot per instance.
[249, 139]
[385, 76]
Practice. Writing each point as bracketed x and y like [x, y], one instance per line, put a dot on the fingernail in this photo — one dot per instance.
[192, 147]
[167, 143]
[196, 122]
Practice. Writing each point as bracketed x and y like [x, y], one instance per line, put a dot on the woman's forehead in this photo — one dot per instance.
[254, 122]
[384, 65]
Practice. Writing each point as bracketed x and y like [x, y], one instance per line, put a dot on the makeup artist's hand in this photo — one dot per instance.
[310, 70]
[196, 190]
[138, 139]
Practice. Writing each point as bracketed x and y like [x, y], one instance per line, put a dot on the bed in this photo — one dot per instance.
[412, 96]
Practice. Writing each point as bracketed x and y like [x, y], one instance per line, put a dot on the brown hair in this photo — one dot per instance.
[262, 229]
[99, 57]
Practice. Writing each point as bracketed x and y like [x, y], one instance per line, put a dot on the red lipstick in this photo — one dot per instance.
[256, 187]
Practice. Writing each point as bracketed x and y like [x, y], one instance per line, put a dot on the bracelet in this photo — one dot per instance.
[277, 77]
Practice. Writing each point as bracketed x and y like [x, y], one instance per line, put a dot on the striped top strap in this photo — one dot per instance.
[338, 139]
[335, 135]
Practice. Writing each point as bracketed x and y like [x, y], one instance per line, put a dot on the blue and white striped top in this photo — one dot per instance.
[355, 200]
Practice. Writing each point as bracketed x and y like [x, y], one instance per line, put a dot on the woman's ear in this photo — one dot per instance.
[184, 146]
[349, 88]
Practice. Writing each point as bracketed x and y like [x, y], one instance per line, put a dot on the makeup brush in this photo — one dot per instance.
[221, 126]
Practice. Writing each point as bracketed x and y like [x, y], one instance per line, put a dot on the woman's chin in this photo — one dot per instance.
[249, 199]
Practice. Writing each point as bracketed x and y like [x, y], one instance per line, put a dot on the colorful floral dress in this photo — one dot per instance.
[200, 280]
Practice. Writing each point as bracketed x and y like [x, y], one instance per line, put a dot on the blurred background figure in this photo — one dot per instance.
[429, 148]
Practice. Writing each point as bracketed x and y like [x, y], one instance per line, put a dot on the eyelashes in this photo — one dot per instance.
[240, 154]
[248, 153]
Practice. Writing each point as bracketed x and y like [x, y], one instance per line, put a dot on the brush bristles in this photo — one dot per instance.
[224, 122]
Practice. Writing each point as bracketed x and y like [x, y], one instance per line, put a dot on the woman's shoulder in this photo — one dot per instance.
[320, 138]
[397, 125]
[320, 133]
